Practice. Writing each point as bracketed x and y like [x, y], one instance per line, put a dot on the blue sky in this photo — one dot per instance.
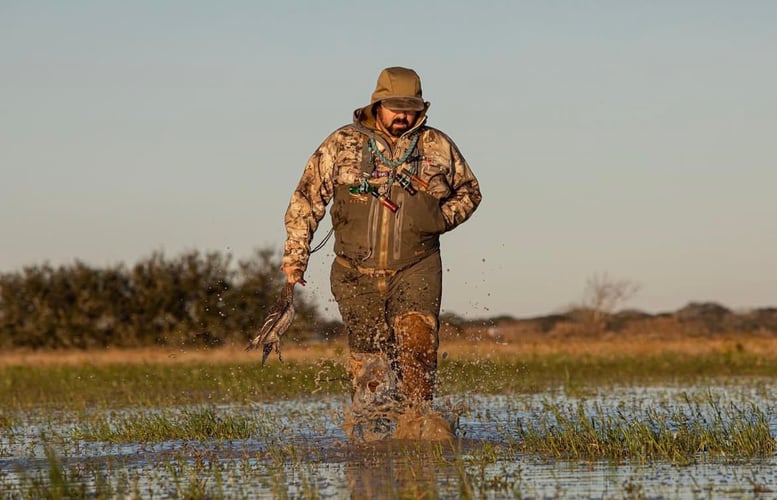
[629, 138]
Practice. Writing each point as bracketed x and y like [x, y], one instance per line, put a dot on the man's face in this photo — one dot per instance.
[396, 123]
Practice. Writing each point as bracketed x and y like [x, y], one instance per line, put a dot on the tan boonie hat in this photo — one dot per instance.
[399, 89]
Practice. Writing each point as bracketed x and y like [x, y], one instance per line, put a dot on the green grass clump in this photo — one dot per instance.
[680, 436]
[200, 424]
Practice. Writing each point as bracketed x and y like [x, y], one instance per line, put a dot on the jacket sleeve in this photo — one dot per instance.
[308, 204]
[465, 198]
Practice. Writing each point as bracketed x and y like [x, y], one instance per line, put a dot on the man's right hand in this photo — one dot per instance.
[294, 275]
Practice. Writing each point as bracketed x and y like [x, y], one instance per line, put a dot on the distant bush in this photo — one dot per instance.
[194, 298]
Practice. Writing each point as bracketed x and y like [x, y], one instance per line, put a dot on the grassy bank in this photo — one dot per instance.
[161, 378]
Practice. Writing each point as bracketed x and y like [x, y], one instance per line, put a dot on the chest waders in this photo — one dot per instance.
[387, 242]
[381, 226]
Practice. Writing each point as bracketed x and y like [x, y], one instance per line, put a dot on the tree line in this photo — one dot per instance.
[192, 299]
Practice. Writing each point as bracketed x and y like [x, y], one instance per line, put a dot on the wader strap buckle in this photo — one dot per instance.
[369, 271]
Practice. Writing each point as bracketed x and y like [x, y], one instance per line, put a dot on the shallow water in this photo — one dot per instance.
[300, 450]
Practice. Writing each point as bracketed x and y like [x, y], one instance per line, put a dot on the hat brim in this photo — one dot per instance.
[403, 103]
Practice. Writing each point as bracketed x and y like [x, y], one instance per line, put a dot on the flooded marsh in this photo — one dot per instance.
[236, 431]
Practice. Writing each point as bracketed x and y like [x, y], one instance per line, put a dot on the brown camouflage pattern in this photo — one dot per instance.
[337, 162]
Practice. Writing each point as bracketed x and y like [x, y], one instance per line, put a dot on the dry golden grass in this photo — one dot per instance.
[157, 355]
[618, 347]
[452, 348]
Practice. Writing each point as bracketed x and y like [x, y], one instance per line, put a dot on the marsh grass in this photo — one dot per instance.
[59, 481]
[677, 435]
[155, 402]
[538, 373]
[417, 469]
[163, 385]
[199, 424]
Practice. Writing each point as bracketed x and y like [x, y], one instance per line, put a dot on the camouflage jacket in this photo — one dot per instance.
[366, 232]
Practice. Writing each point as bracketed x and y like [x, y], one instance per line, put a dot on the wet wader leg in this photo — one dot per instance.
[417, 359]
[373, 383]
[417, 344]
[374, 396]
[374, 393]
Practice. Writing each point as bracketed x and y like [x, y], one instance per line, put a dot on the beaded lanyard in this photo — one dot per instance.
[403, 180]
[373, 148]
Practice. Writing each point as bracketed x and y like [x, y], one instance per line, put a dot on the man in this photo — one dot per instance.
[395, 184]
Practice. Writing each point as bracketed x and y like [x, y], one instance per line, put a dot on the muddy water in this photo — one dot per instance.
[300, 450]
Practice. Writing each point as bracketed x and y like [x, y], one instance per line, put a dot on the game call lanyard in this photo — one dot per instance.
[369, 155]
